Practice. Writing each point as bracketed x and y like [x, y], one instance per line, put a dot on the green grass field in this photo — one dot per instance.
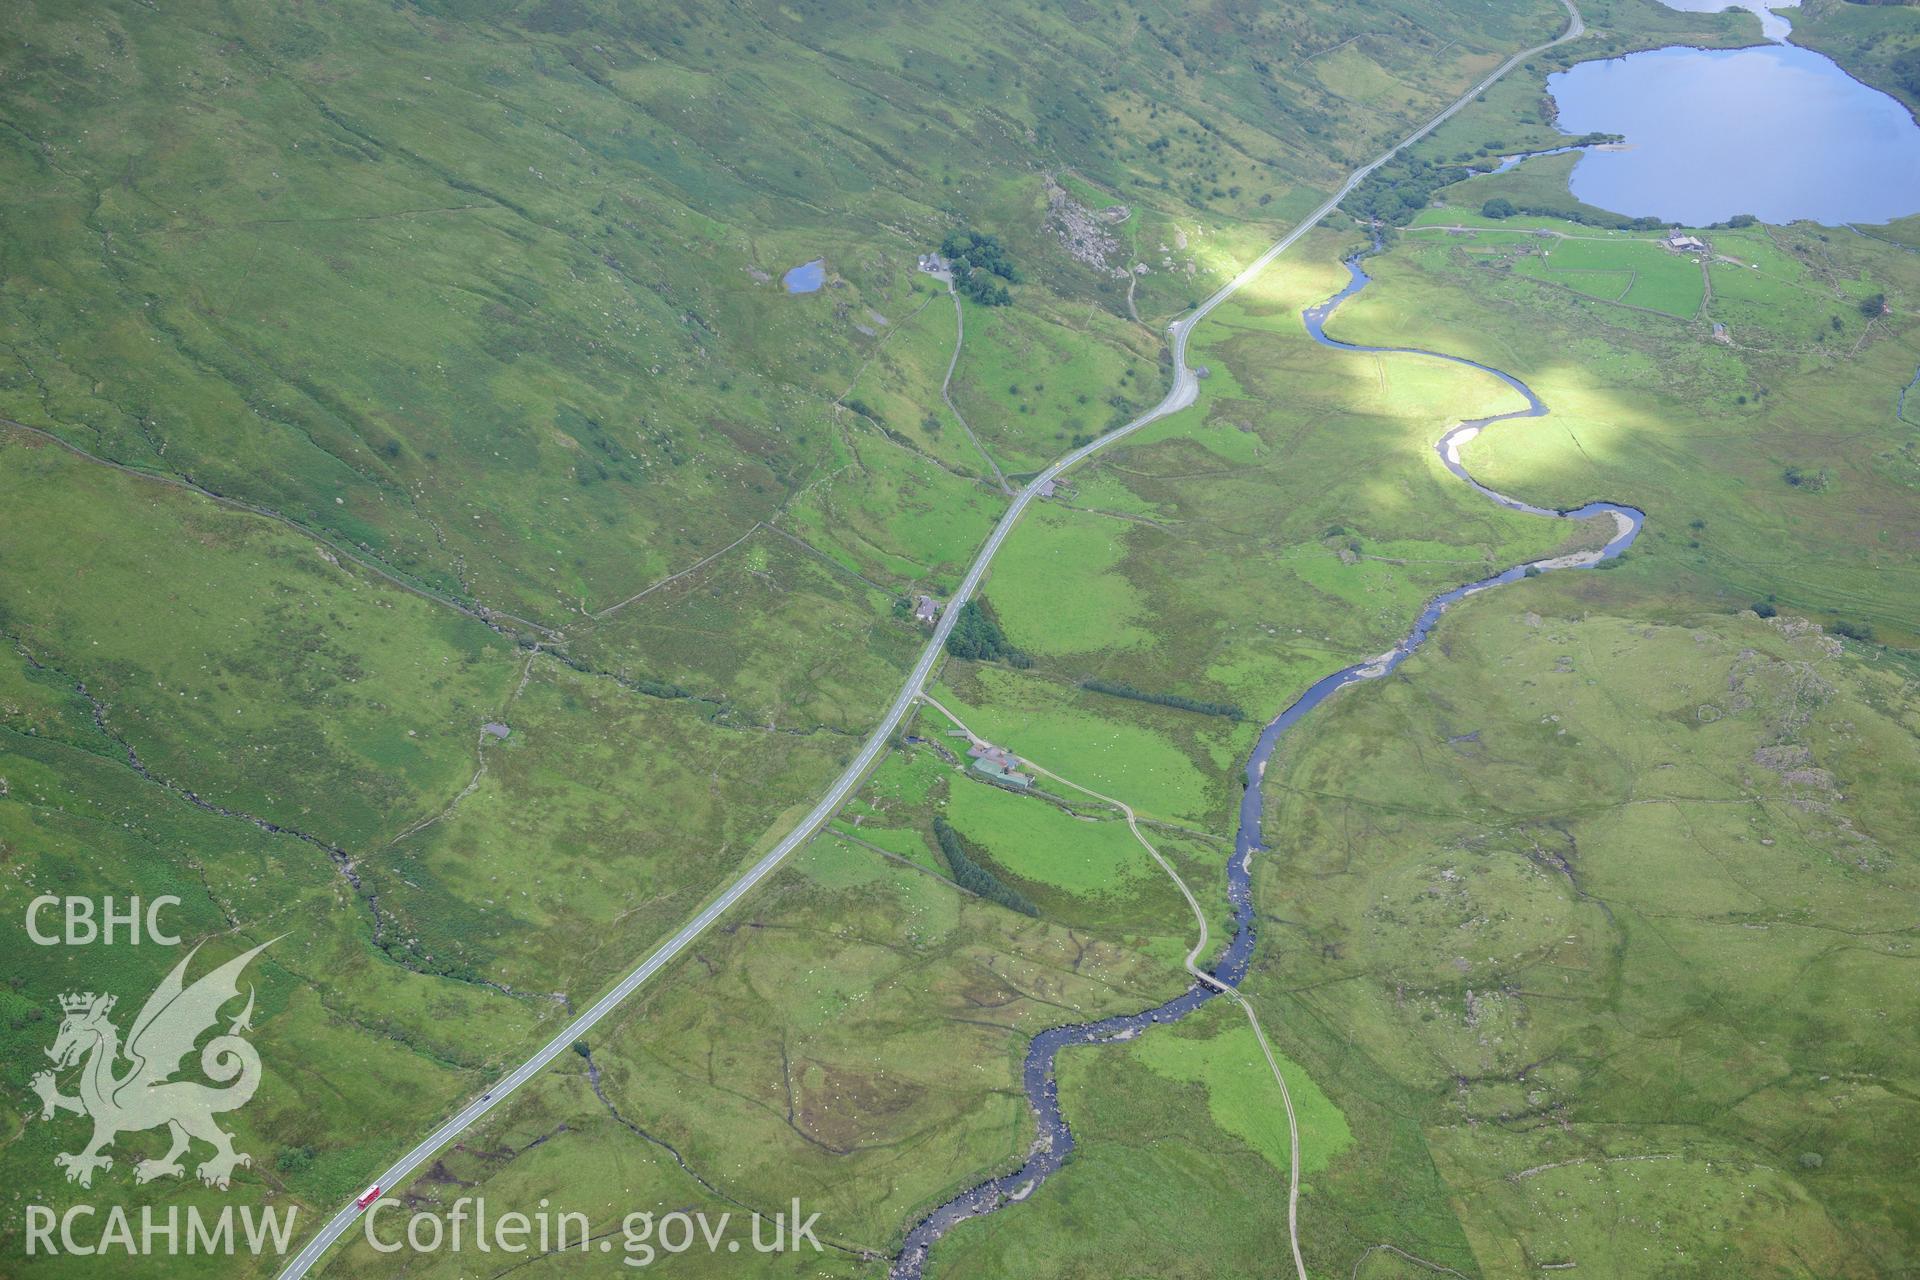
[1634, 273]
[1629, 268]
[851, 1033]
[1620, 858]
[1581, 938]
[486, 303]
[1696, 429]
[1183, 1118]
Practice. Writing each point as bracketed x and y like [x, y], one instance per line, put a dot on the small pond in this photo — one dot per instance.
[1776, 131]
[806, 277]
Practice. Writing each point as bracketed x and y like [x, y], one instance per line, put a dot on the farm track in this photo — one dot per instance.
[1183, 393]
[946, 390]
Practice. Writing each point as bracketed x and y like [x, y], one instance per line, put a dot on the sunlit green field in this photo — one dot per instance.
[1634, 273]
[460, 330]
[463, 331]
[1787, 428]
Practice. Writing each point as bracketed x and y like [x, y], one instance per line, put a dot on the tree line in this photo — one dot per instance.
[1501, 207]
[977, 635]
[979, 265]
[973, 877]
[1179, 702]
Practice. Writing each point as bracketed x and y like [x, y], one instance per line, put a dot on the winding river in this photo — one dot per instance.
[1053, 1140]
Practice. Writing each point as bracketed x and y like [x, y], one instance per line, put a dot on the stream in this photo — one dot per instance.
[1053, 1140]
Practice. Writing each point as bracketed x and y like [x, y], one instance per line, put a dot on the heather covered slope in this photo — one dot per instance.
[481, 289]
[578, 557]
[447, 380]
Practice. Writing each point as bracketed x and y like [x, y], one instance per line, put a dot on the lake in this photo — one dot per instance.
[806, 277]
[1772, 26]
[1776, 131]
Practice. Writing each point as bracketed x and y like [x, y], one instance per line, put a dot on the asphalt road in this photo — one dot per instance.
[1185, 390]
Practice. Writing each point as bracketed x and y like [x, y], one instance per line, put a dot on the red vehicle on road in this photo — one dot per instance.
[368, 1196]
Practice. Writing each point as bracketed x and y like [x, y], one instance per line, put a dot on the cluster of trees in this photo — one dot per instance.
[1117, 690]
[1492, 150]
[1852, 630]
[1404, 186]
[658, 688]
[973, 877]
[977, 635]
[1398, 190]
[980, 265]
[864, 409]
[1906, 71]
[1501, 207]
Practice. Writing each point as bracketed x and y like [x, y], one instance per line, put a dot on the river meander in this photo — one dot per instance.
[1053, 1138]
[1775, 131]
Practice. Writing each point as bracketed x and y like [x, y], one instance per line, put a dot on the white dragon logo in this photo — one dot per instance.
[144, 1097]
